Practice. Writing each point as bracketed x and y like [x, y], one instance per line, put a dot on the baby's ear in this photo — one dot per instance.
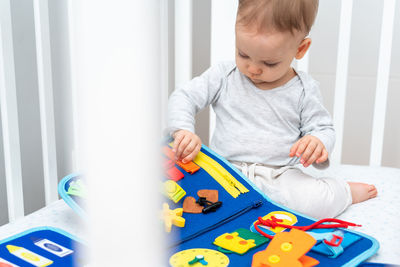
[303, 47]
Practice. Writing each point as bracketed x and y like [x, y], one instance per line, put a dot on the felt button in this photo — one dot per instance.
[170, 187]
[274, 259]
[286, 246]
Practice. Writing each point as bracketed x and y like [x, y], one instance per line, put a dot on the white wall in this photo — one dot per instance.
[201, 46]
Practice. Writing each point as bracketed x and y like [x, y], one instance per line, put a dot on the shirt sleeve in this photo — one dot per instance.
[190, 98]
[315, 118]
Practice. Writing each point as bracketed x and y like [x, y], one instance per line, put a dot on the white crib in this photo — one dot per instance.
[11, 130]
[9, 109]
[379, 216]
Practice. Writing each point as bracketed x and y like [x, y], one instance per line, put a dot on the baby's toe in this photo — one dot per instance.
[371, 187]
[372, 191]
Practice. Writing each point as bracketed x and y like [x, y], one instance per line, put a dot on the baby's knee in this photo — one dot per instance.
[324, 197]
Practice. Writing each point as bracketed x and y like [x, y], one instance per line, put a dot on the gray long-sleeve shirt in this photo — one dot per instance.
[253, 125]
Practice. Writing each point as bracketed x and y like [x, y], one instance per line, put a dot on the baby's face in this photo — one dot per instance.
[265, 58]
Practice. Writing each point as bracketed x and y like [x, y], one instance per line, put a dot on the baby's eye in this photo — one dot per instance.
[271, 65]
[242, 55]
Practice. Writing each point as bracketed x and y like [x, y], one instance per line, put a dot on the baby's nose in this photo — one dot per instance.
[253, 69]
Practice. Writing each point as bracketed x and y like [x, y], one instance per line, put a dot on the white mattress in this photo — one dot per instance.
[379, 217]
[57, 214]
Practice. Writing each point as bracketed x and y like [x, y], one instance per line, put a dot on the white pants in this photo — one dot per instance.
[289, 186]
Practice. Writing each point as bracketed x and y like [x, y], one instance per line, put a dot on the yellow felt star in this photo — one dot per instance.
[172, 217]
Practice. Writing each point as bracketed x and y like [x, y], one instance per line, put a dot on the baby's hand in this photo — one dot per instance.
[186, 145]
[311, 150]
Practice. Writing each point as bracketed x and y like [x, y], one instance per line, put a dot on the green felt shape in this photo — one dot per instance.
[77, 188]
[224, 250]
[247, 234]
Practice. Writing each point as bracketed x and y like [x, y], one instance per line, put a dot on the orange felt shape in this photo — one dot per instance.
[286, 249]
[190, 205]
[189, 167]
[307, 261]
[210, 195]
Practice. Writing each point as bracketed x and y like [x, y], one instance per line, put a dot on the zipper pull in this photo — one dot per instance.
[257, 204]
[230, 182]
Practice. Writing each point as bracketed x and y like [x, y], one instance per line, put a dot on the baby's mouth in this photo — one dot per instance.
[256, 81]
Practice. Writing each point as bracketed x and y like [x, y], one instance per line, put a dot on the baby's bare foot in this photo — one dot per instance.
[361, 192]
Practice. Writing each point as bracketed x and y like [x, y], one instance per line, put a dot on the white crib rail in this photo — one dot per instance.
[9, 108]
[165, 58]
[342, 66]
[385, 51]
[9, 116]
[43, 52]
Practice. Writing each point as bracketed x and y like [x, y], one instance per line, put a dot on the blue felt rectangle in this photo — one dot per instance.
[24, 239]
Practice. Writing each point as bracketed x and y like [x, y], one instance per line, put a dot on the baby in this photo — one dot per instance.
[269, 117]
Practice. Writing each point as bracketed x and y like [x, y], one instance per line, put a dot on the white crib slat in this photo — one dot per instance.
[43, 52]
[341, 75]
[223, 17]
[164, 19]
[183, 41]
[76, 154]
[9, 116]
[385, 50]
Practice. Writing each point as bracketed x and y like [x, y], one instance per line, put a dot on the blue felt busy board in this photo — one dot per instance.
[42, 246]
[201, 230]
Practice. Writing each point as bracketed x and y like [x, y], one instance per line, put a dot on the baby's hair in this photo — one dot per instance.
[281, 15]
